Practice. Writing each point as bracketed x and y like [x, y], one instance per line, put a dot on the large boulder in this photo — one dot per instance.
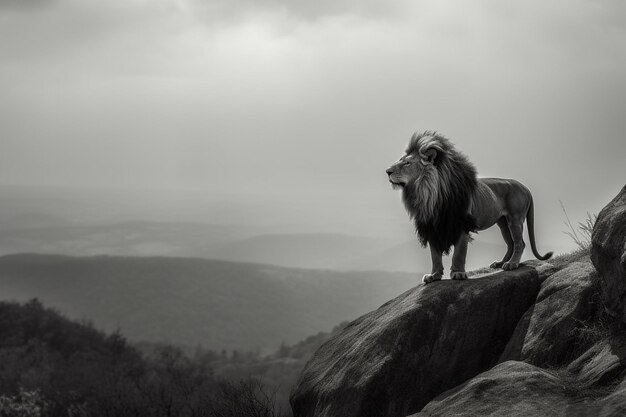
[394, 360]
[548, 333]
[608, 253]
[511, 388]
[518, 389]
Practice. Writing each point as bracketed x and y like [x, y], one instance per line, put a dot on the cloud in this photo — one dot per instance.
[273, 93]
[215, 10]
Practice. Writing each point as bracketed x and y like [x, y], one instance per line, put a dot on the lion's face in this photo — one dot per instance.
[404, 171]
[409, 168]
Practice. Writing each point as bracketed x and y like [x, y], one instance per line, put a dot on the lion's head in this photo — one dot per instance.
[437, 184]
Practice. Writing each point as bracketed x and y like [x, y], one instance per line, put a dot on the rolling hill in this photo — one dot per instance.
[217, 304]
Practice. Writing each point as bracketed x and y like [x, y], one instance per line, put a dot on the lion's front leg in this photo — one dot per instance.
[437, 268]
[458, 258]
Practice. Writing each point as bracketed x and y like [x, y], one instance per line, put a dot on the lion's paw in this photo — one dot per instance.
[428, 278]
[496, 265]
[458, 275]
[507, 266]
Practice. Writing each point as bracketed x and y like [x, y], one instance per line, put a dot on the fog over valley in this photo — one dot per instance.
[279, 230]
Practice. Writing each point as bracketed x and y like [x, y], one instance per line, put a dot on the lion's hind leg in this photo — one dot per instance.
[516, 227]
[506, 235]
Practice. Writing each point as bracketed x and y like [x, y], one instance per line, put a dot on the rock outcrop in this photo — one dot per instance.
[608, 253]
[518, 389]
[394, 360]
[534, 341]
[585, 388]
[547, 333]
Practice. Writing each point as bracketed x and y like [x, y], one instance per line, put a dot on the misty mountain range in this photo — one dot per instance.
[87, 223]
[231, 286]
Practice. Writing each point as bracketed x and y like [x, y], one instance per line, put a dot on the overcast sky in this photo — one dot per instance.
[313, 97]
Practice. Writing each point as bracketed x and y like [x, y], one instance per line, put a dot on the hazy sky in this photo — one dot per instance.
[263, 96]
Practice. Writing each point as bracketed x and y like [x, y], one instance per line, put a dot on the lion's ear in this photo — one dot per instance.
[430, 155]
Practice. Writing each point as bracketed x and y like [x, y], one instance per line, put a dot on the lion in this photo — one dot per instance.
[447, 201]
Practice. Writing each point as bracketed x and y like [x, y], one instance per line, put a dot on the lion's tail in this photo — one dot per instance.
[530, 223]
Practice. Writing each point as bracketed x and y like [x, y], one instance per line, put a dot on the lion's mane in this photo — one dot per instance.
[439, 199]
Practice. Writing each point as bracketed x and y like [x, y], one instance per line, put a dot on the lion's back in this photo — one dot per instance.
[505, 186]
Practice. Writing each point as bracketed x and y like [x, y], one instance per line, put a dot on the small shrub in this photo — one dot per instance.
[246, 398]
[582, 237]
[22, 404]
[588, 333]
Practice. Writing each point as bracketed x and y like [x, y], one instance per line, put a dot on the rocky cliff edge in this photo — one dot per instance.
[546, 339]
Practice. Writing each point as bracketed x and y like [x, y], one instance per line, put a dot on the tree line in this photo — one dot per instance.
[51, 366]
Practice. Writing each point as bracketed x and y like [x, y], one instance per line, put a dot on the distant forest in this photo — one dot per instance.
[51, 366]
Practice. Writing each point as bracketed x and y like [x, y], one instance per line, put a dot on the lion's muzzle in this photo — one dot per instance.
[393, 178]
